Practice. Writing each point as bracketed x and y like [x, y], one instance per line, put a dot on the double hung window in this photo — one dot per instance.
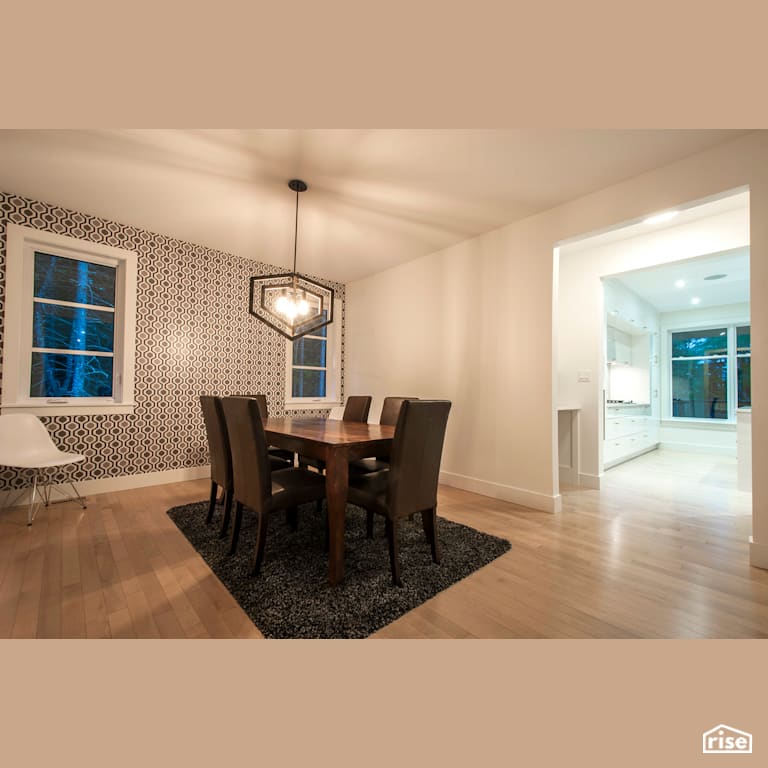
[69, 335]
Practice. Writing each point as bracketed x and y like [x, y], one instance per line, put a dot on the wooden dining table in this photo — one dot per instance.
[336, 443]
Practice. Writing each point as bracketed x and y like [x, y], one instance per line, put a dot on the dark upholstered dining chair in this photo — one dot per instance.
[410, 484]
[390, 410]
[255, 486]
[221, 459]
[356, 409]
[285, 458]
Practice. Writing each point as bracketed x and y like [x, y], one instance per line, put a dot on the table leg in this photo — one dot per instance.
[336, 484]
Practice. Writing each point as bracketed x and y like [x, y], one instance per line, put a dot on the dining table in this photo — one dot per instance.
[336, 443]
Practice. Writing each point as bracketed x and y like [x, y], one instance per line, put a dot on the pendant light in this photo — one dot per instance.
[291, 303]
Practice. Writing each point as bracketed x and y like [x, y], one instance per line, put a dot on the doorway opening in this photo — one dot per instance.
[654, 347]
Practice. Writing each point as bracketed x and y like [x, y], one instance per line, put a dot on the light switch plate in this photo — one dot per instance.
[584, 376]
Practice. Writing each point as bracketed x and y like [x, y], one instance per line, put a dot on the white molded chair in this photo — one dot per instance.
[26, 444]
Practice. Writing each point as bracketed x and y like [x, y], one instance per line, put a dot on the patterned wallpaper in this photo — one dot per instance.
[193, 335]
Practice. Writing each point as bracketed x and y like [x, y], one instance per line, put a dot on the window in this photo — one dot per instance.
[744, 365]
[313, 367]
[703, 363]
[70, 325]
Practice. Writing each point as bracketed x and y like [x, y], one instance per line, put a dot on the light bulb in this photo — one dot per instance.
[303, 307]
[291, 309]
[281, 305]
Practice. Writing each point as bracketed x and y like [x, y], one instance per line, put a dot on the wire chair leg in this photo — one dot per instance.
[35, 492]
[80, 499]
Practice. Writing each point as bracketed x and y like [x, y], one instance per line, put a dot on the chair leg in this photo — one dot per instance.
[368, 524]
[32, 511]
[236, 527]
[227, 514]
[429, 519]
[261, 537]
[394, 556]
[292, 518]
[80, 499]
[211, 503]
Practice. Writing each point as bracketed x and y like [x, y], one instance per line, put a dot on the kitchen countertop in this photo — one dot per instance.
[619, 407]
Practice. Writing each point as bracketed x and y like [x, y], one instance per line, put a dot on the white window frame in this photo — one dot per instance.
[333, 370]
[731, 361]
[22, 242]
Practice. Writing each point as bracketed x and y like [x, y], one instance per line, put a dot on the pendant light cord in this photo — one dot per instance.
[296, 231]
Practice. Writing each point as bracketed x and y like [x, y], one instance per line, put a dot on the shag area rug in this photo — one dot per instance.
[291, 597]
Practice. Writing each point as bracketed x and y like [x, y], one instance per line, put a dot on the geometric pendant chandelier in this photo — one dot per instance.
[291, 303]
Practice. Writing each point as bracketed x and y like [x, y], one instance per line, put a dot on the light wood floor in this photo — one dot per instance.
[661, 551]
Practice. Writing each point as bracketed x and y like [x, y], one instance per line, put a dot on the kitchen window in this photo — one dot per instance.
[70, 325]
[313, 367]
[710, 372]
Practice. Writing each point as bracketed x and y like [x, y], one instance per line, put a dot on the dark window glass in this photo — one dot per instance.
[308, 383]
[79, 282]
[59, 327]
[308, 351]
[699, 388]
[713, 341]
[743, 339]
[744, 368]
[57, 375]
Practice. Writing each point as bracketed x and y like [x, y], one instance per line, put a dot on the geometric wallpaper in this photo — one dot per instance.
[194, 336]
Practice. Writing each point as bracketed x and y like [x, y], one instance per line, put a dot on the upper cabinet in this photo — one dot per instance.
[626, 311]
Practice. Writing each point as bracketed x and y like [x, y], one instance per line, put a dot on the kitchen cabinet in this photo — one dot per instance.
[629, 432]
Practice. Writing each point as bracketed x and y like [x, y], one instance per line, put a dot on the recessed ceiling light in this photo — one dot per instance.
[695, 300]
[715, 277]
[660, 218]
[679, 283]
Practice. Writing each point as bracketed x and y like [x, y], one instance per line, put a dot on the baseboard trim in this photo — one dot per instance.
[719, 450]
[532, 499]
[758, 554]
[126, 482]
[590, 481]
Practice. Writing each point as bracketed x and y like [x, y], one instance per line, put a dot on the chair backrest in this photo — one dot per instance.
[262, 401]
[415, 459]
[250, 465]
[24, 438]
[357, 408]
[218, 440]
[390, 410]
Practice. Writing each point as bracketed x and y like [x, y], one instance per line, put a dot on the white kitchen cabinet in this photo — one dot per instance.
[628, 434]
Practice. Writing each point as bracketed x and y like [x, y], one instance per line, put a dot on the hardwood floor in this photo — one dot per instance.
[661, 551]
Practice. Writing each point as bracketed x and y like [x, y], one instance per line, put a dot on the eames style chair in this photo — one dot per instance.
[25, 444]
[255, 487]
[410, 484]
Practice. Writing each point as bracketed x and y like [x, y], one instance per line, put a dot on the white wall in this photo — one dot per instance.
[475, 323]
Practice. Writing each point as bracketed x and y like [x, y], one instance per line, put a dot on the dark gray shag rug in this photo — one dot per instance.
[291, 598]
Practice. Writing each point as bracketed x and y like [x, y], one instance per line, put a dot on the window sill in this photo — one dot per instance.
[92, 409]
[719, 424]
[315, 405]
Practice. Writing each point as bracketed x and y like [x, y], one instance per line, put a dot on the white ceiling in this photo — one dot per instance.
[376, 198]
[657, 284]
